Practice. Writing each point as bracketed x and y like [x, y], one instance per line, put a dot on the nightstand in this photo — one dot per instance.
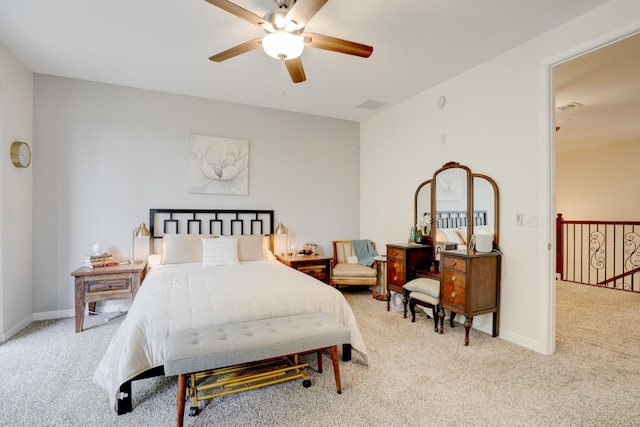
[105, 283]
[318, 266]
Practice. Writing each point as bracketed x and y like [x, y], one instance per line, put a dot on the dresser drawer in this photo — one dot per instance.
[395, 273]
[454, 287]
[395, 253]
[107, 283]
[453, 263]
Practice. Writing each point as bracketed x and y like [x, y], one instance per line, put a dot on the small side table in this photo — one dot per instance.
[318, 266]
[382, 277]
[105, 283]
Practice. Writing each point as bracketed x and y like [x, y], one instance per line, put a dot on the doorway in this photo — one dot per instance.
[594, 99]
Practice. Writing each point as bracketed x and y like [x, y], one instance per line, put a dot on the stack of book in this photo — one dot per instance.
[96, 261]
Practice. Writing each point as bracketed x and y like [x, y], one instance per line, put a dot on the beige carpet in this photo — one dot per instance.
[416, 377]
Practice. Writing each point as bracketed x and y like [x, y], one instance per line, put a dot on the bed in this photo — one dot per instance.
[194, 281]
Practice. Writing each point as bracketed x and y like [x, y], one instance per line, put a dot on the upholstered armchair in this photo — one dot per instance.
[351, 274]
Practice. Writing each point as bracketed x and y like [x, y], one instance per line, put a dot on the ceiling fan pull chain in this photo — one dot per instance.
[283, 79]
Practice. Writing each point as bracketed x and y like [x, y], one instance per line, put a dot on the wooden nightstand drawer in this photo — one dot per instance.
[104, 284]
[316, 266]
[454, 263]
[317, 271]
[107, 283]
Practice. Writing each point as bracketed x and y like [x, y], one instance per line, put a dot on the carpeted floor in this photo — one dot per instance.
[415, 377]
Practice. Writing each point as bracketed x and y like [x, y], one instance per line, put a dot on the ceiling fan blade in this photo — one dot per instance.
[238, 11]
[303, 10]
[237, 50]
[320, 41]
[296, 71]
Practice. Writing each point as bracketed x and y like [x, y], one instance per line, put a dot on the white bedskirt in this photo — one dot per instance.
[184, 296]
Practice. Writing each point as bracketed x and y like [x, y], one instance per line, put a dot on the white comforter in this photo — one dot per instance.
[183, 296]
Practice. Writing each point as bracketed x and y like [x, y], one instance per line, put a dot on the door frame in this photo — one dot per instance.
[548, 174]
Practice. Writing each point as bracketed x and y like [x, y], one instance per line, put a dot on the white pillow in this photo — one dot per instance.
[251, 248]
[223, 251]
[180, 248]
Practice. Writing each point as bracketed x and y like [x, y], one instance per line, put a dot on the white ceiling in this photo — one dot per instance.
[607, 85]
[164, 45]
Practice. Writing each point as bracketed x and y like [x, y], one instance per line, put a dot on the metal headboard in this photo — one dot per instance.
[455, 219]
[220, 222]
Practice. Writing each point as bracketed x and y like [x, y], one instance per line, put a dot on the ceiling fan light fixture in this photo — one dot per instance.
[283, 45]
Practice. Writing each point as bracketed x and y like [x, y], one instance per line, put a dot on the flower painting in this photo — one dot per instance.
[218, 165]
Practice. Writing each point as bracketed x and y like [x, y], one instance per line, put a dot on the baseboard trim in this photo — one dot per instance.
[56, 314]
[17, 328]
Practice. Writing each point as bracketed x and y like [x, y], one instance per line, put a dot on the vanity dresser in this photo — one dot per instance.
[462, 204]
[404, 260]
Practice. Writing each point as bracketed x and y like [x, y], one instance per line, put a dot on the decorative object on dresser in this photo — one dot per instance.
[464, 204]
[363, 272]
[103, 284]
[318, 266]
[403, 262]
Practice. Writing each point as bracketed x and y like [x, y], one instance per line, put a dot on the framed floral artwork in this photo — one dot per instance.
[218, 165]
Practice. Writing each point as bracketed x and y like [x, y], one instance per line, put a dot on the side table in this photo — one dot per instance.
[318, 266]
[105, 283]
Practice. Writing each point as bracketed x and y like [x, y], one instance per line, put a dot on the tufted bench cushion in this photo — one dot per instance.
[212, 347]
[194, 351]
[426, 286]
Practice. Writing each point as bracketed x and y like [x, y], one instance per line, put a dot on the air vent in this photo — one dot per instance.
[372, 105]
[570, 106]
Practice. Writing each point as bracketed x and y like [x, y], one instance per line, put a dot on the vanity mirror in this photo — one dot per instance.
[451, 197]
[464, 211]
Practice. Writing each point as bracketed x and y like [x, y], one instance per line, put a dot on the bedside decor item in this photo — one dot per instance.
[97, 248]
[218, 165]
[20, 154]
[282, 240]
[140, 232]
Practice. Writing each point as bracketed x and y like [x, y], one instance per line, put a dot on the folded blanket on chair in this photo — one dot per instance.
[364, 251]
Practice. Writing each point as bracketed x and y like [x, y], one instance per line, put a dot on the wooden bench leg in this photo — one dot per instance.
[320, 361]
[182, 389]
[336, 368]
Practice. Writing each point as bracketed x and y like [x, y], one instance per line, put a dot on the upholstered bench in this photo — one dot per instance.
[237, 345]
[425, 292]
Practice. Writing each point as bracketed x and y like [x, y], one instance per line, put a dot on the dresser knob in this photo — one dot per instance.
[453, 294]
[108, 287]
[453, 278]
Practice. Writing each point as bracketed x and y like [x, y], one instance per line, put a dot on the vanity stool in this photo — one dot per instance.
[425, 292]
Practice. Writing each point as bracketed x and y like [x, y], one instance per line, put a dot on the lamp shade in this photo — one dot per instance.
[283, 45]
[141, 231]
[282, 239]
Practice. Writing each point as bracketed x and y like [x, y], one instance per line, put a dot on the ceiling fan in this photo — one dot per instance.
[285, 39]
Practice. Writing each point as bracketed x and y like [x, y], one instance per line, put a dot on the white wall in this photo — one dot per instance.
[16, 112]
[494, 121]
[599, 183]
[109, 153]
